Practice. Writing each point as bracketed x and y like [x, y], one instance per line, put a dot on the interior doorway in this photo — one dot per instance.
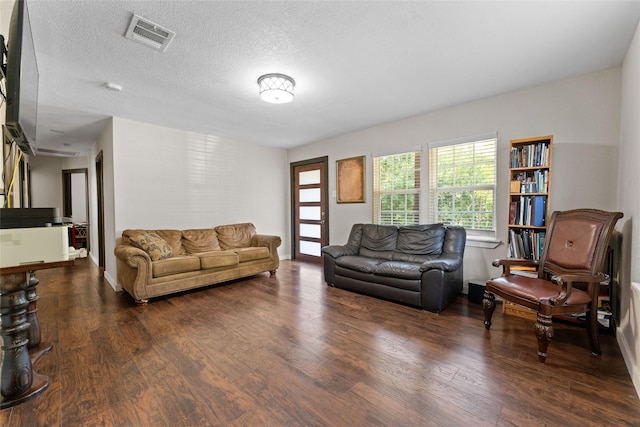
[75, 205]
[310, 217]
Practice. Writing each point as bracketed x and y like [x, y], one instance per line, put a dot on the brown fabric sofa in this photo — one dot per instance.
[152, 263]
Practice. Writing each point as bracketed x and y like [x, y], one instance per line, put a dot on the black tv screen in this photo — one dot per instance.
[21, 80]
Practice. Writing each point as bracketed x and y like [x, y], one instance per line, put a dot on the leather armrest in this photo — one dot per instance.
[446, 262]
[336, 251]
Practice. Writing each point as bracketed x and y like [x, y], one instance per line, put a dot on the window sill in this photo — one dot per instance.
[482, 242]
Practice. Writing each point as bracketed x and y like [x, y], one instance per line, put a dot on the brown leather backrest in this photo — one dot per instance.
[573, 243]
[576, 241]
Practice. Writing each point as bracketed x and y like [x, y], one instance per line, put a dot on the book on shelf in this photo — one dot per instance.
[530, 155]
[539, 203]
[526, 244]
[513, 212]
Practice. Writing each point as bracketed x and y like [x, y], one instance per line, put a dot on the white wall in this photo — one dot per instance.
[582, 113]
[168, 178]
[104, 145]
[46, 182]
[628, 333]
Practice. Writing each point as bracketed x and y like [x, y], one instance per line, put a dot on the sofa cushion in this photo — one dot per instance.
[421, 239]
[378, 241]
[200, 240]
[358, 263]
[400, 269]
[217, 259]
[251, 254]
[379, 237]
[156, 247]
[174, 265]
[235, 235]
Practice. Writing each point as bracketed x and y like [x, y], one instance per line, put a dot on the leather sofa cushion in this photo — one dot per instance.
[174, 265]
[235, 235]
[400, 269]
[358, 263]
[419, 259]
[200, 240]
[379, 238]
[251, 254]
[217, 259]
[378, 241]
[421, 239]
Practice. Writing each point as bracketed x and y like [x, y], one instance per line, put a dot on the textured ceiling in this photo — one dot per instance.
[356, 64]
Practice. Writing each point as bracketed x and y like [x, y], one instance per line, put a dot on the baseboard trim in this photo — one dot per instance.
[629, 360]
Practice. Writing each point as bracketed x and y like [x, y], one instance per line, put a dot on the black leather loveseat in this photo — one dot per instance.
[418, 265]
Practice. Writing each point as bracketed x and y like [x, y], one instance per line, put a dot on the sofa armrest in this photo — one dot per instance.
[127, 254]
[445, 262]
[336, 251]
[271, 242]
[135, 270]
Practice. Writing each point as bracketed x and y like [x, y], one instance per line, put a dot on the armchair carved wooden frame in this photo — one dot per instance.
[574, 253]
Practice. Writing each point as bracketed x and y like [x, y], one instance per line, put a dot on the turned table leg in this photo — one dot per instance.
[37, 348]
[18, 381]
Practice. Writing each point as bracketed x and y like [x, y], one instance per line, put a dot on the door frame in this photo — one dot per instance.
[292, 180]
[67, 195]
[99, 163]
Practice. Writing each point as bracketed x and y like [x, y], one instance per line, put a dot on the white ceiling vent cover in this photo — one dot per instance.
[149, 33]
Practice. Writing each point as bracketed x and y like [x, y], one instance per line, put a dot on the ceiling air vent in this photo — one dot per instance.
[149, 33]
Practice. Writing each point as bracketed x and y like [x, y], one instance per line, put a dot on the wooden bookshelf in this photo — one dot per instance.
[529, 192]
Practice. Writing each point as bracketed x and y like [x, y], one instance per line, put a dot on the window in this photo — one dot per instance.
[396, 188]
[462, 184]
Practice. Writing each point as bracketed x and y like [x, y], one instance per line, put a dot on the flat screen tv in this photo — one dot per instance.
[21, 80]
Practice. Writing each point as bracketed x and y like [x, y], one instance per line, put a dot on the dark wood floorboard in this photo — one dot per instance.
[290, 351]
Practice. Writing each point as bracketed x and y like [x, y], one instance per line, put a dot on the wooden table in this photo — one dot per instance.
[20, 333]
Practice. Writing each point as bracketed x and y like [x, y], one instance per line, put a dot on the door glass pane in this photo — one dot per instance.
[310, 230]
[310, 248]
[310, 212]
[309, 195]
[309, 177]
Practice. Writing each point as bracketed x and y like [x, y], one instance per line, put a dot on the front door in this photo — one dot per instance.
[309, 209]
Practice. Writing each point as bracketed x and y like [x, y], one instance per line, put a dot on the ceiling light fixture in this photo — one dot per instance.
[276, 88]
[113, 87]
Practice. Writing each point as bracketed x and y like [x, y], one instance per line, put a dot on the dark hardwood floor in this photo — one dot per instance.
[288, 350]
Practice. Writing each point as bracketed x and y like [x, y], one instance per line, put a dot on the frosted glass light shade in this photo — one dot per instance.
[276, 88]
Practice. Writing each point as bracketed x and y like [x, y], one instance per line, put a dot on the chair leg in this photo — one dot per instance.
[544, 332]
[593, 332]
[489, 305]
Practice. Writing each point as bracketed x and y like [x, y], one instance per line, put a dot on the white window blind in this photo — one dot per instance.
[396, 188]
[462, 184]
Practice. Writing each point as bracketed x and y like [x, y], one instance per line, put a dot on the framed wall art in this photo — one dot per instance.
[350, 175]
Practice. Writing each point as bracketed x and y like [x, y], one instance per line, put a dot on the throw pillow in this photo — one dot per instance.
[152, 244]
